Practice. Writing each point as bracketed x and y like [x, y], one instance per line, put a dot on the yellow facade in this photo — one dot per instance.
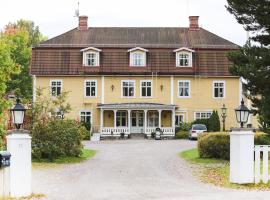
[164, 91]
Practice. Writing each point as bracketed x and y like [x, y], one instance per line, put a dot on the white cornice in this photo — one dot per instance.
[183, 49]
[138, 48]
[91, 48]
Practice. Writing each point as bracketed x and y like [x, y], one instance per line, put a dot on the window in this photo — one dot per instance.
[183, 89]
[179, 119]
[91, 56]
[138, 59]
[152, 119]
[146, 88]
[56, 87]
[128, 88]
[121, 118]
[203, 115]
[184, 59]
[85, 116]
[90, 88]
[219, 89]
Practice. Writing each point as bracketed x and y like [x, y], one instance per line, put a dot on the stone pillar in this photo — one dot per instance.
[159, 118]
[173, 120]
[241, 156]
[19, 146]
[101, 119]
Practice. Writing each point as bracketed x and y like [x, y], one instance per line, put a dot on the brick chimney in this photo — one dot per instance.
[83, 26]
[194, 23]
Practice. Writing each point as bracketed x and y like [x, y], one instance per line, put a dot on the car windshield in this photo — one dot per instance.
[199, 127]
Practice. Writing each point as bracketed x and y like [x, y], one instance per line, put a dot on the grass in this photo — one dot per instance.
[31, 197]
[216, 171]
[86, 154]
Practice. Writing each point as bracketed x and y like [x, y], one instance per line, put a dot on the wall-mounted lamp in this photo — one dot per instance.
[161, 87]
[112, 87]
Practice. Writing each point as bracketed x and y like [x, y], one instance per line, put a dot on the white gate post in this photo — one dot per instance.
[19, 146]
[242, 156]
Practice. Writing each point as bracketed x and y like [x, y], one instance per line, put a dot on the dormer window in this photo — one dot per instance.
[184, 57]
[91, 57]
[138, 57]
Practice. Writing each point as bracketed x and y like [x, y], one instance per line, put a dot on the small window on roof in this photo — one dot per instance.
[183, 57]
[138, 59]
[91, 57]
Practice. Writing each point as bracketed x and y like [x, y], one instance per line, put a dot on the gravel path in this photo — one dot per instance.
[132, 170]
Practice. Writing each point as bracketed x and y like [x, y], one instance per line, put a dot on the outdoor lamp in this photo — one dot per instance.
[18, 112]
[242, 113]
[223, 115]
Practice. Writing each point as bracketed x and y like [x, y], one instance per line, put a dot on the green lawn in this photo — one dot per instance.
[215, 171]
[86, 154]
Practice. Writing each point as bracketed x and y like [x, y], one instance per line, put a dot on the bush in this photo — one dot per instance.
[213, 122]
[217, 145]
[181, 135]
[57, 138]
[214, 145]
[88, 128]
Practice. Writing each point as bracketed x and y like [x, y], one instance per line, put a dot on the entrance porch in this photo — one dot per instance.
[140, 118]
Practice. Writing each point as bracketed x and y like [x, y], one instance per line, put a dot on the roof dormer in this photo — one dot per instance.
[183, 57]
[91, 56]
[137, 57]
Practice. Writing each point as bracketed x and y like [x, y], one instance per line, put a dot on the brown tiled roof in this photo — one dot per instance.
[168, 37]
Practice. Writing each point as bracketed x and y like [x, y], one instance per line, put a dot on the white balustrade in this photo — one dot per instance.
[106, 131]
[264, 176]
[167, 131]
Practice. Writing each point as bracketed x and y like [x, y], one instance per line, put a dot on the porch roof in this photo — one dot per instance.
[138, 106]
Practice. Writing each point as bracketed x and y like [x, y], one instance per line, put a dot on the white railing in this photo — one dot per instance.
[265, 149]
[167, 131]
[114, 131]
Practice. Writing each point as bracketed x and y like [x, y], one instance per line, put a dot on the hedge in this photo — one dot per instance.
[217, 145]
[57, 138]
[181, 135]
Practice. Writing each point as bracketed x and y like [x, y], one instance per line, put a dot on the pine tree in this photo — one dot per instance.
[252, 62]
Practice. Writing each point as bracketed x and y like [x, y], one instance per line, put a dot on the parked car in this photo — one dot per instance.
[196, 130]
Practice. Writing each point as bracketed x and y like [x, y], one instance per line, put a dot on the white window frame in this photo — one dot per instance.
[122, 95]
[90, 89]
[131, 58]
[141, 82]
[61, 87]
[91, 118]
[121, 116]
[202, 111]
[183, 116]
[178, 58]
[96, 63]
[224, 89]
[178, 94]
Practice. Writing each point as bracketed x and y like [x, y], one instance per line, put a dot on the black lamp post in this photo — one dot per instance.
[18, 113]
[223, 115]
[242, 113]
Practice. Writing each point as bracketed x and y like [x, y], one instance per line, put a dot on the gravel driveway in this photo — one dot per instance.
[132, 170]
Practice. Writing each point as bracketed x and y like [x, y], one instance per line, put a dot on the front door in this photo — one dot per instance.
[137, 122]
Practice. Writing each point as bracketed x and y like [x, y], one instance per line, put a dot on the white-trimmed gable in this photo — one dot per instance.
[137, 49]
[183, 49]
[91, 56]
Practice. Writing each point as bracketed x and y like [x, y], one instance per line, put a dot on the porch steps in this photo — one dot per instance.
[95, 137]
[137, 136]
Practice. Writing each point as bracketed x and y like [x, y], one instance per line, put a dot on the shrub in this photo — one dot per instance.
[213, 122]
[214, 145]
[57, 138]
[217, 145]
[88, 128]
[181, 135]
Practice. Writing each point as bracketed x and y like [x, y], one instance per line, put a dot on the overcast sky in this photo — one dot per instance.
[57, 16]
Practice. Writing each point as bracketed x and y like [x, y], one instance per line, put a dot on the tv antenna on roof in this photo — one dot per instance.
[77, 11]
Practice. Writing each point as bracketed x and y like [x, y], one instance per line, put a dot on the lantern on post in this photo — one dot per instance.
[223, 115]
[242, 113]
[18, 113]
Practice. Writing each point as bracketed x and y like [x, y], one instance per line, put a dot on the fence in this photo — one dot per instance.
[264, 176]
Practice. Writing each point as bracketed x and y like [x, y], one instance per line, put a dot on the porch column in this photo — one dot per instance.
[101, 119]
[129, 121]
[159, 118]
[173, 120]
[145, 119]
[114, 111]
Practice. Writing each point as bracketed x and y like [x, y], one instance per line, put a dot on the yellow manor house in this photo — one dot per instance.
[134, 79]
